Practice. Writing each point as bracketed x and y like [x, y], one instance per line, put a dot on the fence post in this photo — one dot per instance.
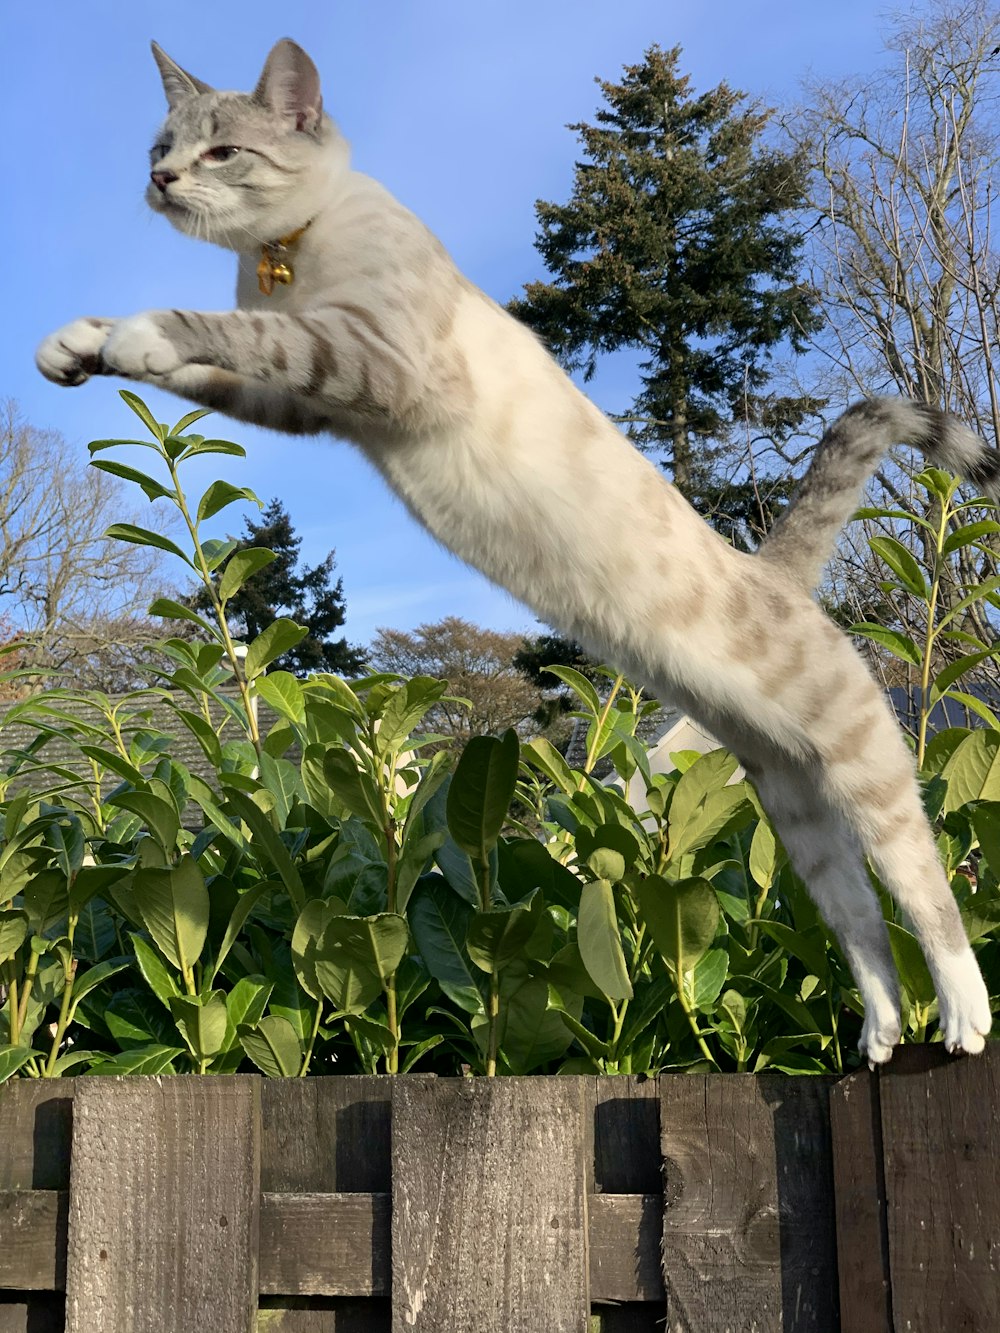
[164, 1199]
[489, 1225]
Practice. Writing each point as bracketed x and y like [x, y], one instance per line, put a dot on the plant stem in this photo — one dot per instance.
[312, 1040]
[15, 1012]
[494, 1015]
[689, 1015]
[220, 612]
[29, 981]
[929, 637]
[64, 1010]
[601, 719]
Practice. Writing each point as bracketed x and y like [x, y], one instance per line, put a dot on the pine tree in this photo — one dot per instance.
[678, 242]
[308, 596]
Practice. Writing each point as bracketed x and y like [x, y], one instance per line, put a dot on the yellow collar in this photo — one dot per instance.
[273, 266]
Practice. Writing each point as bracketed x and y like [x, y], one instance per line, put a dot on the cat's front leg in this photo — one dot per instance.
[138, 348]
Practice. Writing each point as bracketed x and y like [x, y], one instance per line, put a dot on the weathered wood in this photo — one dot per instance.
[748, 1236]
[164, 1202]
[488, 1206]
[624, 1232]
[326, 1135]
[38, 1313]
[36, 1119]
[36, 1124]
[324, 1244]
[941, 1148]
[33, 1240]
[626, 1124]
[322, 1315]
[859, 1195]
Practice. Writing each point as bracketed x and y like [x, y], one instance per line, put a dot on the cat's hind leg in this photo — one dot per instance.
[826, 854]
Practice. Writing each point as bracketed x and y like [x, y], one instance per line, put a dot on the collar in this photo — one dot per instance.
[273, 266]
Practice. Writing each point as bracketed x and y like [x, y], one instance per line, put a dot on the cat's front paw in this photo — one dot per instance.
[73, 353]
[139, 349]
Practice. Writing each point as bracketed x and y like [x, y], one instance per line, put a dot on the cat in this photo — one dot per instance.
[352, 320]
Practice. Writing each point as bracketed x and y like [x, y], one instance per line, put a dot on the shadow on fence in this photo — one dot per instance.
[537, 1205]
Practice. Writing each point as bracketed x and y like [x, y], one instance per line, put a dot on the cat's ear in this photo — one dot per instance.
[290, 85]
[177, 83]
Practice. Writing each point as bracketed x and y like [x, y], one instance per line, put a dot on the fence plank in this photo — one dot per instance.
[163, 1205]
[324, 1244]
[941, 1144]
[33, 1240]
[36, 1119]
[626, 1119]
[326, 1134]
[489, 1228]
[748, 1223]
[859, 1195]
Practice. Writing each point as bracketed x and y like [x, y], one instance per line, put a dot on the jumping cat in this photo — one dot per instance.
[353, 320]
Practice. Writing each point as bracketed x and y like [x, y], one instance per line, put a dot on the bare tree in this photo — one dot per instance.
[75, 599]
[904, 254]
[478, 665]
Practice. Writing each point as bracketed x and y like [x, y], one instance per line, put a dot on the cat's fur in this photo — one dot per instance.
[380, 340]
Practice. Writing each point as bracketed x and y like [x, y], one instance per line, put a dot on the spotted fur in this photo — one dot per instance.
[381, 340]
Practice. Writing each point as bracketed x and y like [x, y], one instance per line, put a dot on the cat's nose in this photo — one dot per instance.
[161, 179]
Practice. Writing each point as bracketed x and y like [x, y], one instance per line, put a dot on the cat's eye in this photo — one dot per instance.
[221, 154]
[158, 151]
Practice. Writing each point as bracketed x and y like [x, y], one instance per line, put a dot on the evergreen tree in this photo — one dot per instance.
[677, 242]
[308, 596]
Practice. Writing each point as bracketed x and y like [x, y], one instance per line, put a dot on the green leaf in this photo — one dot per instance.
[969, 533]
[900, 645]
[902, 564]
[174, 905]
[244, 906]
[159, 816]
[46, 900]
[281, 635]
[161, 982]
[356, 788]
[284, 694]
[312, 921]
[407, 705]
[543, 755]
[911, 965]
[168, 609]
[681, 916]
[580, 686]
[976, 706]
[533, 1034]
[265, 840]
[498, 937]
[96, 976]
[223, 493]
[133, 401]
[152, 1059]
[190, 418]
[766, 855]
[355, 957]
[242, 567]
[599, 938]
[273, 1047]
[703, 803]
[154, 490]
[973, 770]
[201, 1021]
[481, 791]
[13, 932]
[128, 532]
[808, 946]
[947, 677]
[12, 1058]
[215, 447]
[710, 973]
[440, 920]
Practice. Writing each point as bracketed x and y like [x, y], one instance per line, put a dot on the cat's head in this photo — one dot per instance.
[240, 169]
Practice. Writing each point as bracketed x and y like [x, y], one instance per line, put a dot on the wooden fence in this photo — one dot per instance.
[537, 1205]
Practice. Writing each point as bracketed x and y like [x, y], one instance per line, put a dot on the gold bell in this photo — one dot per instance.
[282, 273]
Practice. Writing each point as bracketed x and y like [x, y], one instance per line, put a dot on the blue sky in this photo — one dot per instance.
[460, 108]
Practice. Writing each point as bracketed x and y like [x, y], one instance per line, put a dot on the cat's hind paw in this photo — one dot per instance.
[965, 1017]
[880, 1035]
[73, 353]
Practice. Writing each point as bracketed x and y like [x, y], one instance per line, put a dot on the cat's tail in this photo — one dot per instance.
[803, 539]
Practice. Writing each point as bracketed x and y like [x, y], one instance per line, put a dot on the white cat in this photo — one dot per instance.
[353, 320]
